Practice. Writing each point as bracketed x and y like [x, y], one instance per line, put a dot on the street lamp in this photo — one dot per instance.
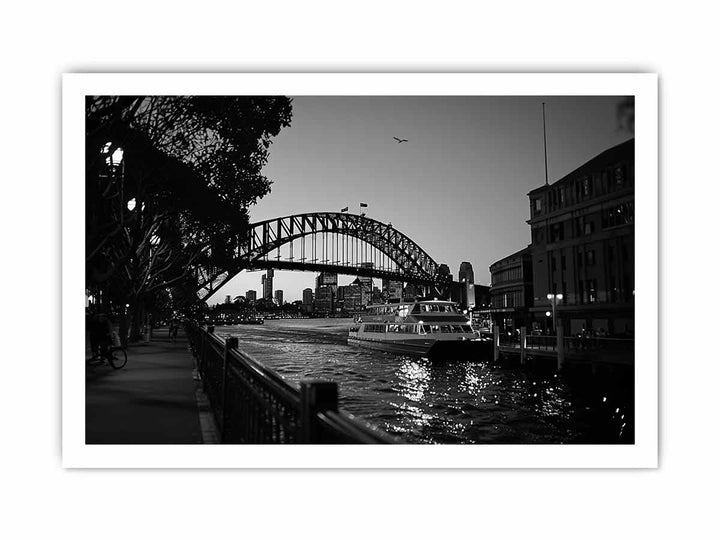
[554, 298]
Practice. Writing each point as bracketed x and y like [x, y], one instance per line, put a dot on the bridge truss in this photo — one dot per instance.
[327, 242]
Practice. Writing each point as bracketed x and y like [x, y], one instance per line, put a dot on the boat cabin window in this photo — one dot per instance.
[375, 328]
[416, 308]
[438, 308]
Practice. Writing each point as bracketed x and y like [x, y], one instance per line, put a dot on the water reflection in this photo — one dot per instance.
[454, 402]
[414, 378]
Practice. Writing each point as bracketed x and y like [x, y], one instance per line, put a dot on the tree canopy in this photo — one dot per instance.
[169, 180]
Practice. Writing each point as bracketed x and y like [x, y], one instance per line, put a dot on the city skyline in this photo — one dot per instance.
[458, 186]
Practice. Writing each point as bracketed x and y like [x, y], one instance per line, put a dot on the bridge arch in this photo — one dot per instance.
[264, 237]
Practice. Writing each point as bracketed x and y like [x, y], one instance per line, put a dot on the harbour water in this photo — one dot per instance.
[449, 402]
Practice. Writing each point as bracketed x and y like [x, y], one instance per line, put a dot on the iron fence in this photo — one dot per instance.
[253, 404]
[542, 343]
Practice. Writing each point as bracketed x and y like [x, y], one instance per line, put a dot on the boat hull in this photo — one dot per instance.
[446, 350]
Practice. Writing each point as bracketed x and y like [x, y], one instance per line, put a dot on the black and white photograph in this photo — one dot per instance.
[335, 270]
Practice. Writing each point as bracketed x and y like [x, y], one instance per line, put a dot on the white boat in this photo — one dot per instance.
[431, 328]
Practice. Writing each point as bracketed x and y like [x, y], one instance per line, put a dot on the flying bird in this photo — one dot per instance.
[400, 140]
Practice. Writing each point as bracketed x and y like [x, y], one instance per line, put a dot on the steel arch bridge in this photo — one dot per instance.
[342, 243]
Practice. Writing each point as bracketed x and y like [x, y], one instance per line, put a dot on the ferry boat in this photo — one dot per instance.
[435, 329]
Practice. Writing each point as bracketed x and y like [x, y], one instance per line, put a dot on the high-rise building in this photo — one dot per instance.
[366, 284]
[392, 290]
[227, 298]
[466, 273]
[307, 300]
[412, 291]
[251, 296]
[267, 284]
[279, 297]
[325, 292]
[466, 278]
[352, 296]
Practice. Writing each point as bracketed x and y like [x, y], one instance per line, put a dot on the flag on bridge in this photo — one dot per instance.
[344, 209]
[363, 205]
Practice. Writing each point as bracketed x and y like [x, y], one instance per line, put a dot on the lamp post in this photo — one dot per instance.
[554, 298]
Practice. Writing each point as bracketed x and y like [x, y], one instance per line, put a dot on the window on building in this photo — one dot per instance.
[561, 196]
[586, 187]
[605, 180]
[619, 176]
[627, 288]
[537, 205]
[612, 289]
[557, 232]
[592, 290]
[581, 293]
[622, 214]
[552, 264]
[588, 228]
[562, 262]
[564, 293]
[590, 257]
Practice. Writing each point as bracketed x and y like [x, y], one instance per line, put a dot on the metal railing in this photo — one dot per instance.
[254, 405]
[509, 341]
[542, 343]
[604, 344]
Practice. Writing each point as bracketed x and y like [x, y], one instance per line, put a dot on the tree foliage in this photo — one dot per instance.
[169, 180]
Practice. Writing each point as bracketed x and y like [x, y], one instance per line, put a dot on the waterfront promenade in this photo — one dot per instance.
[152, 400]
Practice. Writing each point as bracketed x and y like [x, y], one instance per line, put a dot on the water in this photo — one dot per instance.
[450, 402]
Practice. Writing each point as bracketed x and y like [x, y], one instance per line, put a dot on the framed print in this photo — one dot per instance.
[341, 270]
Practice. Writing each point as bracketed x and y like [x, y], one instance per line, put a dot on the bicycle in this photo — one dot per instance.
[115, 356]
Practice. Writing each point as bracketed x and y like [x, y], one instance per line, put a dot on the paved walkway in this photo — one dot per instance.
[152, 400]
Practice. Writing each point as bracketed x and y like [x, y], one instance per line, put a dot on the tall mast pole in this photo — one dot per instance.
[545, 144]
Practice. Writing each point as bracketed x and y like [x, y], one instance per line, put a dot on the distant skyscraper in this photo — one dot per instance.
[307, 299]
[279, 297]
[353, 296]
[325, 292]
[251, 296]
[267, 284]
[366, 284]
[392, 290]
[466, 277]
[227, 298]
[466, 273]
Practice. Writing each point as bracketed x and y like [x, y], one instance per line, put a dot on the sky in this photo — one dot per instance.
[458, 187]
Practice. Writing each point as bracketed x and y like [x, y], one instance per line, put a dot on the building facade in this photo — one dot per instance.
[267, 284]
[326, 292]
[583, 246]
[279, 297]
[307, 300]
[511, 291]
[251, 296]
[466, 278]
[392, 291]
